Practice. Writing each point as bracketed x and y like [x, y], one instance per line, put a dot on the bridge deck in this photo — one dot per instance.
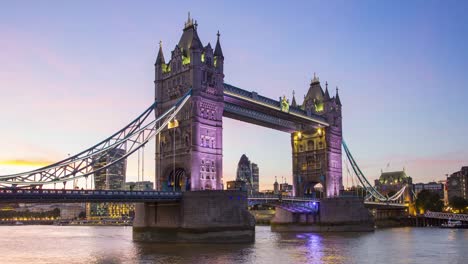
[254, 108]
[80, 196]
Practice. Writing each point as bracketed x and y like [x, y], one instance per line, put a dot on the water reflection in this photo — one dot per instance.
[193, 253]
[103, 245]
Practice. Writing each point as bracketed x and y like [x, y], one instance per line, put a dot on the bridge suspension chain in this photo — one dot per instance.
[132, 137]
[372, 192]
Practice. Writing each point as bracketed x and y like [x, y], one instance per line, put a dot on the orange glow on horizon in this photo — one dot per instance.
[25, 163]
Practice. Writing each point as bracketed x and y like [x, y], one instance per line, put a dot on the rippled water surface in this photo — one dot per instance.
[83, 244]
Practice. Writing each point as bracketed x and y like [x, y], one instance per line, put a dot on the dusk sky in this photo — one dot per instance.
[73, 73]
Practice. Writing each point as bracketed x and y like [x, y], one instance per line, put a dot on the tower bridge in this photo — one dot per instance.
[189, 157]
[186, 121]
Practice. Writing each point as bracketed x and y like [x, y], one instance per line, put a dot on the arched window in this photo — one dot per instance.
[310, 145]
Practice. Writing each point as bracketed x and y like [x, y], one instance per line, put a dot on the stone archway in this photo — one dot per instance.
[319, 190]
[178, 180]
[314, 189]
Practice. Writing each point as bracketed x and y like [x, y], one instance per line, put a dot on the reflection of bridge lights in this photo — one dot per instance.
[314, 203]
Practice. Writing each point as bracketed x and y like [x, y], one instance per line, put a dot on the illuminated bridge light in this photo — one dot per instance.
[173, 124]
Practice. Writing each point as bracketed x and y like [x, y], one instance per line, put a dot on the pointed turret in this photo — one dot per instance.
[293, 103]
[315, 92]
[189, 39]
[337, 97]
[195, 42]
[218, 51]
[160, 58]
[327, 95]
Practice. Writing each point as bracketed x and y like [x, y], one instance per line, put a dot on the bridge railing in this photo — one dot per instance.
[282, 198]
[440, 215]
[86, 192]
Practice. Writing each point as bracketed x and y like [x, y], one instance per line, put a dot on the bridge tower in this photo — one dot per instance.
[317, 151]
[189, 153]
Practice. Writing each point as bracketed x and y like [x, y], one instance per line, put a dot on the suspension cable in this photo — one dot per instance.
[83, 165]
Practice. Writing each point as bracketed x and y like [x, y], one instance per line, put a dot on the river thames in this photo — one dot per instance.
[110, 244]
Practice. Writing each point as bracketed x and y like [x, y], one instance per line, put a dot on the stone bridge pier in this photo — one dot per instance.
[199, 217]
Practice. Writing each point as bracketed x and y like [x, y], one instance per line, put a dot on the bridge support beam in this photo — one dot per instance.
[200, 217]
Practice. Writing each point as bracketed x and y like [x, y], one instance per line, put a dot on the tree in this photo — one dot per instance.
[428, 200]
[82, 215]
[458, 203]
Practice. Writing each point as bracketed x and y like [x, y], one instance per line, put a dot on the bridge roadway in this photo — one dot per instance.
[10, 195]
[81, 196]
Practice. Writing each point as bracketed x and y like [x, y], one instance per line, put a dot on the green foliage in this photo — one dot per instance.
[428, 200]
[82, 215]
[458, 203]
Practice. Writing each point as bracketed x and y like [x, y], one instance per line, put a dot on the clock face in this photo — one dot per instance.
[454, 183]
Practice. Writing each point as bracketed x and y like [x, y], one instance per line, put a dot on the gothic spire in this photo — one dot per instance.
[218, 51]
[337, 97]
[293, 103]
[189, 22]
[315, 90]
[196, 43]
[315, 79]
[189, 39]
[160, 59]
[327, 95]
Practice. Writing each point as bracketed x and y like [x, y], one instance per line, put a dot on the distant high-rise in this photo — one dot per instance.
[255, 174]
[248, 173]
[113, 177]
[457, 184]
[139, 186]
[275, 187]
